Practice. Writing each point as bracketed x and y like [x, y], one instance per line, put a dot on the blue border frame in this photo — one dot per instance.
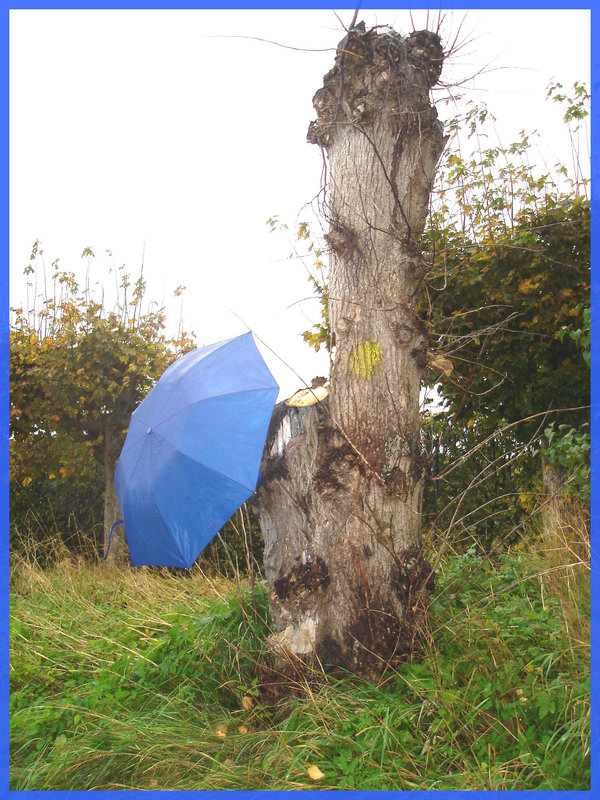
[595, 409]
[4, 360]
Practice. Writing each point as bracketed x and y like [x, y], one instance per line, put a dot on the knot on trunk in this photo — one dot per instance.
[426, 51]
[377, 75]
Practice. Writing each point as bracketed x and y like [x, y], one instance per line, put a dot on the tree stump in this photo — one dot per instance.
[340, 501]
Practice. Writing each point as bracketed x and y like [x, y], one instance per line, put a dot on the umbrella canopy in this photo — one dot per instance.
[193, 450]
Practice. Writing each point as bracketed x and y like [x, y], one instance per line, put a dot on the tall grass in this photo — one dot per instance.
[564, 551]
[146, 679]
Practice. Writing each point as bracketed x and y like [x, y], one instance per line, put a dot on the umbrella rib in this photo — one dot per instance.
[222, 475]
[195, 402]
[205, 466]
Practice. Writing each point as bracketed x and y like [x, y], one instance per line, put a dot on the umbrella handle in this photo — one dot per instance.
[118, 522]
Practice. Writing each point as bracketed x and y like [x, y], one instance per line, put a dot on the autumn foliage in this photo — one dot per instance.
[77, 372]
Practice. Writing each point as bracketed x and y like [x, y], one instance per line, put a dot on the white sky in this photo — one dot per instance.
[152, 131]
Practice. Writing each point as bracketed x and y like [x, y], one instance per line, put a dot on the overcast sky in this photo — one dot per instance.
[161, 134]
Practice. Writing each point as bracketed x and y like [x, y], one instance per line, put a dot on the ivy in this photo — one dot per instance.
[570, 449]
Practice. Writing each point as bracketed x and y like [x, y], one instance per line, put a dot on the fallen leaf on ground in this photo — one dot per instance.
[242, 729]
[221, 731]
[247, 703]
[314, 773]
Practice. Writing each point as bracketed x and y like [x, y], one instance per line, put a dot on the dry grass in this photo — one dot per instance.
[563, 548]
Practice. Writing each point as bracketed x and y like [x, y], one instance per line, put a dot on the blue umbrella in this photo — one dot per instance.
[193, 450]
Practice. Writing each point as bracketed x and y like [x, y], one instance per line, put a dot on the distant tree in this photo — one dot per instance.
[77, 373]
[509, 249]
[510, 267]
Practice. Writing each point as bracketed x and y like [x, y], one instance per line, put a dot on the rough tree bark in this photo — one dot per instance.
[340, 500]
[112, 442]
[118, 553]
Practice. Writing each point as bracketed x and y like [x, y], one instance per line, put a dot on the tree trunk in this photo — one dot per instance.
[553, 481]
[118, 554]
[340, 500]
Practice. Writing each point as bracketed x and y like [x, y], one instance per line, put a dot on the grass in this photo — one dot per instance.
[143, 679]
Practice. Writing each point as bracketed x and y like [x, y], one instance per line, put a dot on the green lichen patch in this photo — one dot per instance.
[365, 359]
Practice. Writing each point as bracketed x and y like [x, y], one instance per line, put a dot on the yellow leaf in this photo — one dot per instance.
[242, 729]
[528, 286]
[221, 731]
[314, 773]
[27, 481]
[51, 476]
